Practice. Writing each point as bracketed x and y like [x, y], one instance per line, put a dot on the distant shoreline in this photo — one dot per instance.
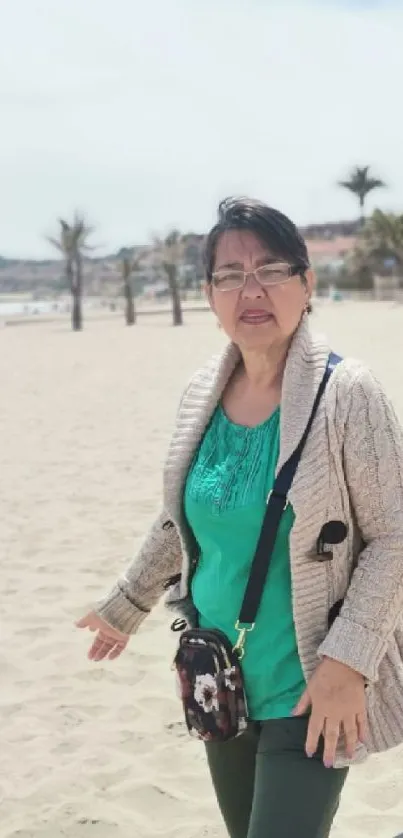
[28, 313]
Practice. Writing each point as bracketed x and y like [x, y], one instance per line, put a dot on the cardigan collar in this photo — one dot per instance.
[305, 366]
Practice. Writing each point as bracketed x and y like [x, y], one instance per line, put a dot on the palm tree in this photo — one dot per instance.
[72, 243]
[170, 251]
[360, 184]
[381, 240]
[129, 264]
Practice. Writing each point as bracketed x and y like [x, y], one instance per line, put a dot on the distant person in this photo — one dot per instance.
[322, 667]
[335, 294]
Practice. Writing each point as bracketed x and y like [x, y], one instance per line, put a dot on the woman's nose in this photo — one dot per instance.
[252, 289]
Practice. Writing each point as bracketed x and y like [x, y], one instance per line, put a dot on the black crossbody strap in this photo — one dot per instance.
[276, 504]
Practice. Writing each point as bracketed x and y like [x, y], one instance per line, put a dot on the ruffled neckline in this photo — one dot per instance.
[247, 428]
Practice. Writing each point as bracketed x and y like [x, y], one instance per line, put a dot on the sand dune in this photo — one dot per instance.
[99, 751]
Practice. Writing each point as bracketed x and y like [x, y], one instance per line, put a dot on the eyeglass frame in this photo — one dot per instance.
[293, 270]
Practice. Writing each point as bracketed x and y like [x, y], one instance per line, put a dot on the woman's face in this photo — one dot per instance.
[256, 316]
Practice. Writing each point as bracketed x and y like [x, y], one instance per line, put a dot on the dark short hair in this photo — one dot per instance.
[269, 225]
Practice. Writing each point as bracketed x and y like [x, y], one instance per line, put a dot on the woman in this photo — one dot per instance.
[323, 667]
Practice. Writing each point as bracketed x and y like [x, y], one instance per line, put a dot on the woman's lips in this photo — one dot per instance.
[255, 316]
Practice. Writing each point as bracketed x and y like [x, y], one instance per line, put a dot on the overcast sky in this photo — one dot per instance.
[143, 113]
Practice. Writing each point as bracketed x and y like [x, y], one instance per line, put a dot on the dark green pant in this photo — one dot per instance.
[268, 788]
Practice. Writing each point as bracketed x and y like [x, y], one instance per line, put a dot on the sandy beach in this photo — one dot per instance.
[99, 750]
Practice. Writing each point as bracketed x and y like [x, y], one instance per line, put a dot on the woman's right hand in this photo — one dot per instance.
[109, 642]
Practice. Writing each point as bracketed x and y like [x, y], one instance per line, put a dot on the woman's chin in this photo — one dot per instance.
[261, 335]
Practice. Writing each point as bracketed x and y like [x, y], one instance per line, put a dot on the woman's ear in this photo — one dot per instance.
[308, 280]
[310, 277]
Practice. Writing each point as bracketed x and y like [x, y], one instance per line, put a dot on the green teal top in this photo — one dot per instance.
[225, 499]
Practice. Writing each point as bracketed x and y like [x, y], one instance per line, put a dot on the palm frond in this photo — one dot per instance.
[375, 183]
[73, 237]
[360, 183]
[130, 263]
[348, 184]
[382, 238]
[172, 248]
[55, 243]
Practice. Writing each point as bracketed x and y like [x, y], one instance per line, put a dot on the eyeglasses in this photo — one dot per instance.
[267, 276]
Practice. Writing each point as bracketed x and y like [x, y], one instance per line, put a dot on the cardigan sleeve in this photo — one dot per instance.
[373, 465]
[140, 587]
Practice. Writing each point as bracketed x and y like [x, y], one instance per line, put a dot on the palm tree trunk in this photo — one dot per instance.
[177, 318]
[76, 311]
[130, 307]
[69, 273]
[362, 216]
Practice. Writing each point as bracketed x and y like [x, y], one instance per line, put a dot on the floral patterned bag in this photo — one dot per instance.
[210, 685]
[208, 666]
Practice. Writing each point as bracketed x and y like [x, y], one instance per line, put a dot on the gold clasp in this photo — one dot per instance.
[239, 647]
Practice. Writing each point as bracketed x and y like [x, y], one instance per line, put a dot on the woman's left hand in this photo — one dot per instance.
[336, 696]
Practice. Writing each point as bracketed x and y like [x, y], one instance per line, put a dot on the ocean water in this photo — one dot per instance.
[30, 308]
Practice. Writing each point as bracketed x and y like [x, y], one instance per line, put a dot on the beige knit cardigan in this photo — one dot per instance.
[351, 471]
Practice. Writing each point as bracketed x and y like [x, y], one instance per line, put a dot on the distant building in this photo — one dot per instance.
[330, 252]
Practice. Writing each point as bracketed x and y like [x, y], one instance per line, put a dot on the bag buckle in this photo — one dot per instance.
[285, 500]
[239, 647]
